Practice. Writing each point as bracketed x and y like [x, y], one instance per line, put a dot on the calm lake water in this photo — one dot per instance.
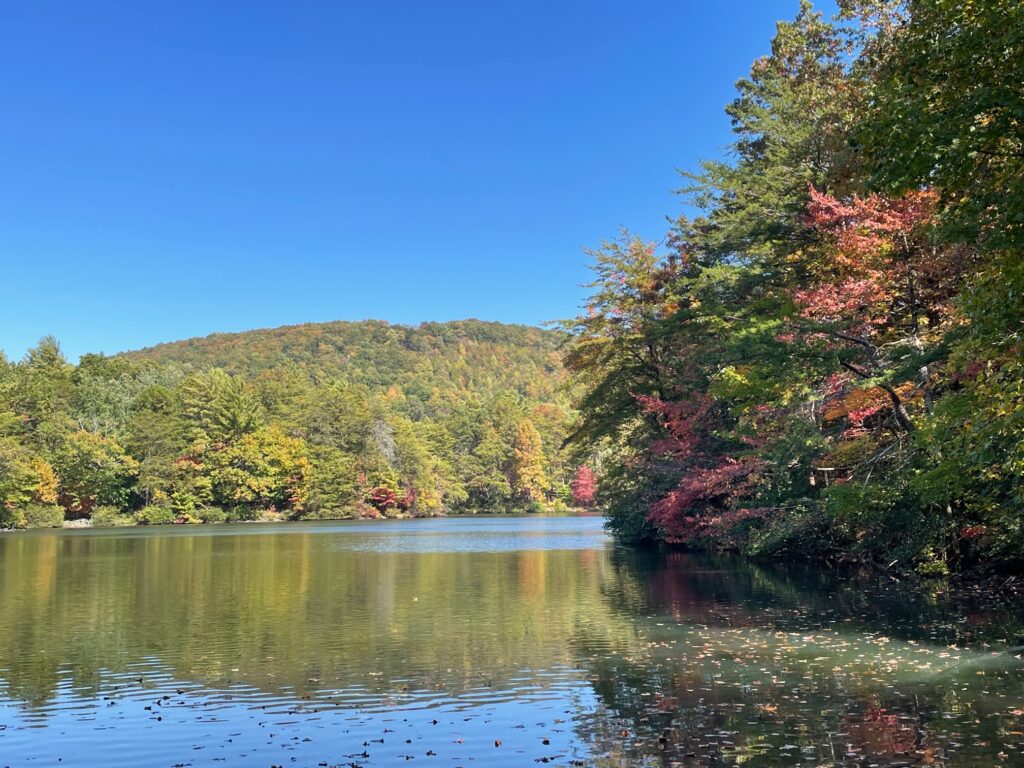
[483, 641]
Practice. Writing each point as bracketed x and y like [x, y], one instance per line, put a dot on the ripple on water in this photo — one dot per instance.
[499, 641]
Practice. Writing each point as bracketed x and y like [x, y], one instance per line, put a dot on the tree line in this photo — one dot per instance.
[824, 358]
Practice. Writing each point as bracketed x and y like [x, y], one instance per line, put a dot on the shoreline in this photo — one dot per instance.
[87, 524]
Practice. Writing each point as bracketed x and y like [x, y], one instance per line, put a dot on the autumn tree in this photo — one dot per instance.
[825, 359]
[264, 470]
[93, 471]
[526, 468]
[584, 486]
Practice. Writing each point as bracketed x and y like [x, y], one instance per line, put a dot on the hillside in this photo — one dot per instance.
[432, 363]
[309, 421]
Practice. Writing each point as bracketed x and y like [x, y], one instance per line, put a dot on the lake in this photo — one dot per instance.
[497, 641]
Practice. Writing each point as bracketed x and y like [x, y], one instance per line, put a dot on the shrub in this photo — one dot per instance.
[43, 516]
[333, 513]
[155, 515]
[212, 515]
[886, 523]
[110, 517]
[559, 506]
[242, 514]
[11, 517]
[804, 530]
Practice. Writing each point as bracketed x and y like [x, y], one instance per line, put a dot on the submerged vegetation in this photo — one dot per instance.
[826, 359]
[315, 421]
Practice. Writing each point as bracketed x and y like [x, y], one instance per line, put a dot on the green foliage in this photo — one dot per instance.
[220, 407]
[110, 517]
[801, 529]
[155, 515]
[155, 434]
[335, 484]
[558, 506]
[974, 449]
[946, 109]
[264, 469]
[281, 429]
[43, 516]
[626, 489]
[211, 515]
[425, 369]
[93, 470]
[791, 119]
[11, 517]
[243, 514]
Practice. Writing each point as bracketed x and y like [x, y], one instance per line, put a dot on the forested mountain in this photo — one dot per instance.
[309, 421]
[433, 365]
[827, 360]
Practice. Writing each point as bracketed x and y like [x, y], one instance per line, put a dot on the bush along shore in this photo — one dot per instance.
[53, 516]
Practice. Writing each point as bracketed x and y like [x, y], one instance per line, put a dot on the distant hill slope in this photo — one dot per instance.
[315, 421]
[424, 362]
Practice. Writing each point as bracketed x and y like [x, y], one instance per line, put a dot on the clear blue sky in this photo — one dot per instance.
[171, 169]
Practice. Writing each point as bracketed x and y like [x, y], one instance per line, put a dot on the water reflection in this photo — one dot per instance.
[510, 640]
[757, 665]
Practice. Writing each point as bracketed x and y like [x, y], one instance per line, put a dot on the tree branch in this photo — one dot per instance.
[897, 404]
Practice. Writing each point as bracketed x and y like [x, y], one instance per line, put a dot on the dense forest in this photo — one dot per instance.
[311, 421]
[823, 357]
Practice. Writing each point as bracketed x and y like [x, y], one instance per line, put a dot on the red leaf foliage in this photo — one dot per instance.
[686, 422]
[584, 486]
[699, 504]
[702, 501]
[873, 240]
[865, 226]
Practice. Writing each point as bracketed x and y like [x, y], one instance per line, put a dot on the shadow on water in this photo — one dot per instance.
[758, 664]
[510, 640]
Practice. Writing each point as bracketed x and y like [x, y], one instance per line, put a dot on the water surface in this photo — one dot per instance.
[497, 641]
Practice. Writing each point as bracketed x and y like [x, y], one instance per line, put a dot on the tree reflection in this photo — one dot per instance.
[659, 658]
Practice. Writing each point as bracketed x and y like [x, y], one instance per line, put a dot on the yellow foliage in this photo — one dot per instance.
[46, 481]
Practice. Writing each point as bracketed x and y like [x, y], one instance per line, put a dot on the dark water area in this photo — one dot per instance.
[484, 641]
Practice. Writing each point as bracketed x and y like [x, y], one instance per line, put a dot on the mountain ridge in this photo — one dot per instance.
[369, 321]
[467, 355]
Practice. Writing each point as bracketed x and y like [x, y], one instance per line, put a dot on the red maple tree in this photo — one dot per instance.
[584, 486]
[704, 500]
